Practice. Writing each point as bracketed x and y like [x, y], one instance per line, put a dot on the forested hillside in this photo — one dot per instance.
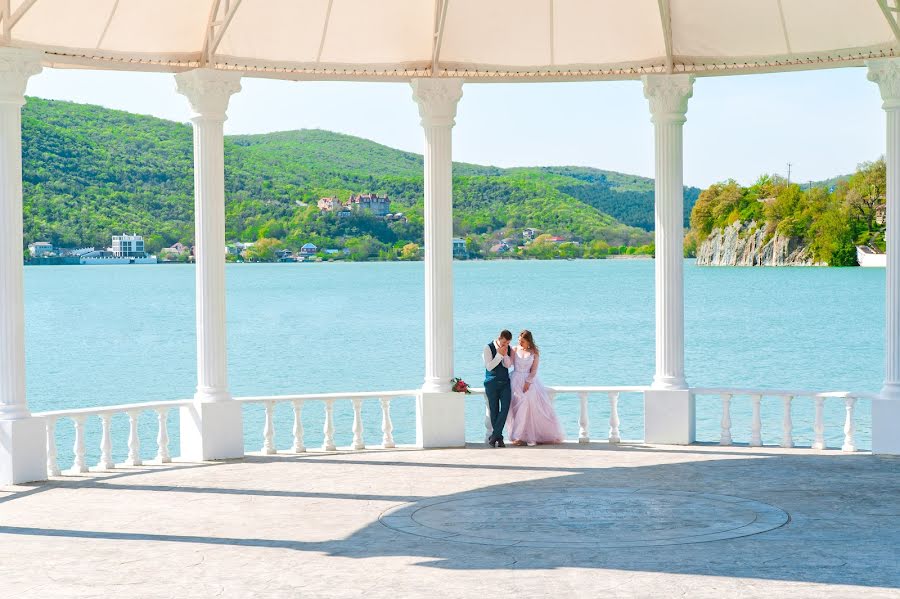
[90, 172]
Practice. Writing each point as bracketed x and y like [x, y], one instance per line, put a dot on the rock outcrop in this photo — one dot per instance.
[742, 244]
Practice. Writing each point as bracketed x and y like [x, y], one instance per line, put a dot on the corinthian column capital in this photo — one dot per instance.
[886, 73]
[17, 65]
[208, 90]
[437, 100]
[668, 96]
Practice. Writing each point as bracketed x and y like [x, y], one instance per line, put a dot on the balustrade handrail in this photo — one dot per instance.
[587, 389]
[98, 410]
[782, 392]
[328, 396]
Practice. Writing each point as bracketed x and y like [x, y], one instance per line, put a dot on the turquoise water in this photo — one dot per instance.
[103, 335]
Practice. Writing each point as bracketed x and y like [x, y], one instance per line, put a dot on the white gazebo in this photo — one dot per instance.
[437, 46]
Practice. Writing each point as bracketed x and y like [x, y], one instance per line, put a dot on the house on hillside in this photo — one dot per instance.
[377, 205]
[459, 248]
[40, 248]
[330, 204]
[309, 249]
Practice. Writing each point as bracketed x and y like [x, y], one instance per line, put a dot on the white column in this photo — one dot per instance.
[886, 411]
[669, 406]
[440, 412]
[212, 428]
[23, 450]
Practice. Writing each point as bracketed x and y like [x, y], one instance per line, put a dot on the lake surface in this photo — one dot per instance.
[103, 335]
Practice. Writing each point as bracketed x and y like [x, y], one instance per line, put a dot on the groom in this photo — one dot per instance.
[497, 362]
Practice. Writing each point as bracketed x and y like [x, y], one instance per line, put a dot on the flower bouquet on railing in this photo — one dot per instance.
[460, 386]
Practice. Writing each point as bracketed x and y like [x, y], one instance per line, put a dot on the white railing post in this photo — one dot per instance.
[614, 418]
[358, 442]
[162, 436]
[849, 425]
[134, 440]
[78, 465]
[106, 460]
[328, 428]
[298, 427]
[756, 426]
[819, 425]
[52, 465]
[387, 427]
[725, 437]
[269, 429]
[787, 424]
[584, 435]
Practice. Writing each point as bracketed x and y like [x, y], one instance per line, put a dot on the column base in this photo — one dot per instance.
[23, 450]
[669, 417]
[212, 431]
[440, 420]
[886, 426]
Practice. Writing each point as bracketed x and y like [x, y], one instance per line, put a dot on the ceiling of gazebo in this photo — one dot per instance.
[485, 40]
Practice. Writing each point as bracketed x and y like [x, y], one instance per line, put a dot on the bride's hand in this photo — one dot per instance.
[526, 386]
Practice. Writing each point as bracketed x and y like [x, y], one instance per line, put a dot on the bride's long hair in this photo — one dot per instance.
[526, 335]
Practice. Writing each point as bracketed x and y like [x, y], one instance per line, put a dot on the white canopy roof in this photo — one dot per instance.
[489, 40]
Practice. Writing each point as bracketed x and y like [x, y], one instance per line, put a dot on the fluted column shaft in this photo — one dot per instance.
[668, 96]
[209, 92]
[16, 66]
[437, 100]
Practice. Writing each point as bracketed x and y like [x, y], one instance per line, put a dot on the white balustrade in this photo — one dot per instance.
[269, 429]
[52, 466]
[328, 428]
[488, 427]
[756, 426]
[787, 425]
[819, 424]
[358, 442]
[106, 460]
[849, 425]
[162, 437]
[614, 417]
[134, 440]
[387, 426]
[584, 435]
[298, 447]
[79, 466]
[725, 436]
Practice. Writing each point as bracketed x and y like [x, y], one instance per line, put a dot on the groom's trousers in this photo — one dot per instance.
[499, 395]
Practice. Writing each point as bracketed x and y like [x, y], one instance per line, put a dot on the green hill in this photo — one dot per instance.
[89, 172]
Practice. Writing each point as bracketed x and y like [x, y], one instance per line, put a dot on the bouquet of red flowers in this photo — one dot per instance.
[460, 386]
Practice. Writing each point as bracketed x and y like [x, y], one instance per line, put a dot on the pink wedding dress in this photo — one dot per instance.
[531, 416]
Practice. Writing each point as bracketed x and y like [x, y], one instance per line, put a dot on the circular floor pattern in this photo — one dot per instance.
[584, 517]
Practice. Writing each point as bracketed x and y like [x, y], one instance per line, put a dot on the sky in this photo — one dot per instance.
[823, 122]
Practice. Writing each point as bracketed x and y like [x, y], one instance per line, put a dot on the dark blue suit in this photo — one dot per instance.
[499, 394]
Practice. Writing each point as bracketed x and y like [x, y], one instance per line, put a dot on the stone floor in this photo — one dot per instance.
[565, 521]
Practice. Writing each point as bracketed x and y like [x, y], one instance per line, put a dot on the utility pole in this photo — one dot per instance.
[789, 174]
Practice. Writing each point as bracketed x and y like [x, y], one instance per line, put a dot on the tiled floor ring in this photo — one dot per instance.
[584, 517]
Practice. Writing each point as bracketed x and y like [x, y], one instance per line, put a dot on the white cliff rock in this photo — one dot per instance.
[742, 244]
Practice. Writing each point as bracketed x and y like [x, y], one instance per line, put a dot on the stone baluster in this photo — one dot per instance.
[725, 437]
[269, 429]
[819, 425]
[328, 428]
[52, 465]
[162, 436]
[358, 442]
[298, 427]
[79, 465]
[387, 427]
[584, 435]
[849, 425]
[756, 426]
[134, 439]
[106, 460]
[614, 418]
[787, 425]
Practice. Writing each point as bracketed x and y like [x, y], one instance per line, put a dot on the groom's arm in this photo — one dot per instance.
[490, 362]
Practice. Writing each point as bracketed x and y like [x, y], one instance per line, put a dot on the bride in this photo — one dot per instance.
[531, 416]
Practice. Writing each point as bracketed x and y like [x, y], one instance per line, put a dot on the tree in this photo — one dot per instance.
[410, 251]
[263, 250]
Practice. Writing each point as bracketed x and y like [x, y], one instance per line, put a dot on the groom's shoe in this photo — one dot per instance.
[500, 442]
[492, 442]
